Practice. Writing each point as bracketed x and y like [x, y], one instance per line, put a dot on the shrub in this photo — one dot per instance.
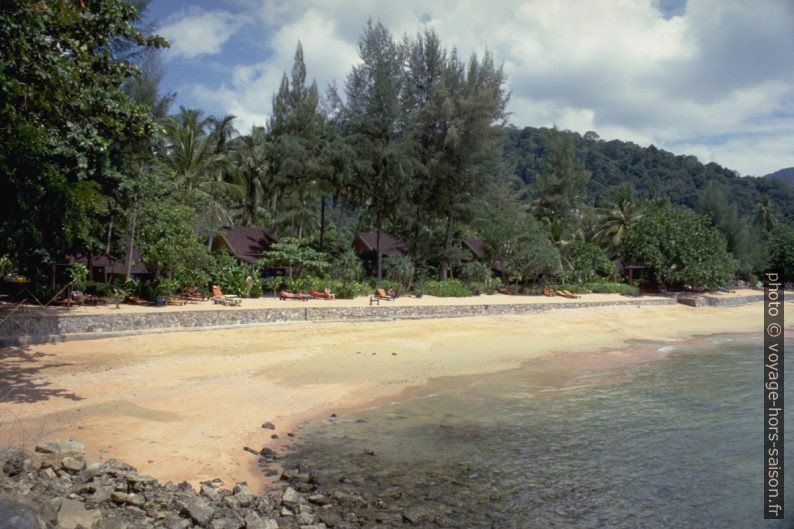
[98, 288]
[78, 274]
[6, 266]
[475, 272]
[588, 262]
[451, 288]
[347, 266]
[604, 287]
[232, 276]
[485, 287]
[400, 270]
[166, 287]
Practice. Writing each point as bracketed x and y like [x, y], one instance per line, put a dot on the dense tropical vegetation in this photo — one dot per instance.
[414, 143]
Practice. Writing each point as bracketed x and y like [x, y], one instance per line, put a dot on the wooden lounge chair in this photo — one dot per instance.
[284, 295]
[379, 295]
[177, 302]
[219, 297]
[548, 292]
[316, 295]
[566, 294]
[193, 294]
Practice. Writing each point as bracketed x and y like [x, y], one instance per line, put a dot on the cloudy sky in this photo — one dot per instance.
[713, 78]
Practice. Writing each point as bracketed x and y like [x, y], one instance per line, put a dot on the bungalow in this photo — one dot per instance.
[365, 246]
[105, 267]
[246, 243]
[476, 247]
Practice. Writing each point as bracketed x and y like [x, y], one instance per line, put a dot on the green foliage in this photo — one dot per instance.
[475, 272]
[680, 246]
[400, 270]
[487, 286]
[450, 288]
[588, 262]
[167, 287]
[98, 288]
[347, 266]
[234, 277]
[297, 256]
[169, 245]
[78, 275]
[65, 121]
[782, 249]
[604, 287]
[6, 266]
[341, 289]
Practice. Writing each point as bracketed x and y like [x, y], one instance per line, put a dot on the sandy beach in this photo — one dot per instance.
[182, 405]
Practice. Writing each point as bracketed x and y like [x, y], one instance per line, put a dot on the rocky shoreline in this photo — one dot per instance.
[54, 487]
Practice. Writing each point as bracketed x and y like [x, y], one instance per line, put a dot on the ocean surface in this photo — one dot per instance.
[675, 442]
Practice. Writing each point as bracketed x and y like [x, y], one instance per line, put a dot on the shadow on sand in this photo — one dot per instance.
[22, 379]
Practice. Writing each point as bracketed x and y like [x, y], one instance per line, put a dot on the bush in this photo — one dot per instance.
[78, 274]
[400, 270]
[347, 267]
[340, 288]
[475, 272]
[167, 287]
[588, 262]
[97, 288]
[451, 288]
[232, 276]
[604, 287]
[6, 266]
[485, 287]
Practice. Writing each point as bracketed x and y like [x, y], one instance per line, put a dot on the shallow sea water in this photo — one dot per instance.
[671, 443]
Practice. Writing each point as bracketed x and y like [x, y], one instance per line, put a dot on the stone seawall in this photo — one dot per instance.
[23, 329]
[709, 301]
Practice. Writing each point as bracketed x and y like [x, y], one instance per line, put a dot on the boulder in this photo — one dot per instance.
[72, 513]
[198, 510]
[15, 515]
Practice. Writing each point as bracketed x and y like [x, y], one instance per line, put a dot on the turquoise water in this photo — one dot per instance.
[672, 443]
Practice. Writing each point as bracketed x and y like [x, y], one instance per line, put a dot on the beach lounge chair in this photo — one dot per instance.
[316, 295]
[219, 297]
[381, 294]
[193, 294]
[284, 295]
[548, 292]
[566, 294]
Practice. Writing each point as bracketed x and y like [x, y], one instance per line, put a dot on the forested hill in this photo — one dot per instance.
[652, 171]
[784, 175]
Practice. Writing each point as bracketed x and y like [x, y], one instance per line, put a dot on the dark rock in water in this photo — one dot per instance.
[290, 434]
[251, 450]
[271, 472]
[360, 421]
[15, 515]
[394, 354]
[369, 452]
[274, 436]
[319, 499]
[333, 415]
[269, 426]
[268, 454]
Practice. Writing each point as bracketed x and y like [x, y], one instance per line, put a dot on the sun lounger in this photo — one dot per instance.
[548, 292]
[381, 294]
[566, 294]
[316, 295]
[285, 295]
[193, 294]
[219, 297]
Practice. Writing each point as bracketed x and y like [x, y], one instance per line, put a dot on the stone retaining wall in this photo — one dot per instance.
[21, 329]
[710, 301]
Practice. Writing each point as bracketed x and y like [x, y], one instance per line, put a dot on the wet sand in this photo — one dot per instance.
[182, 405]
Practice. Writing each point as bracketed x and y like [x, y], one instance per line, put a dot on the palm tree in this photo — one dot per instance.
[189, 154]
[616, 218]
[766, 214]
[248, 157]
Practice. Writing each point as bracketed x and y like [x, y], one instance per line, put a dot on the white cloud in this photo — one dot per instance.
[715, 81]
[194, 32]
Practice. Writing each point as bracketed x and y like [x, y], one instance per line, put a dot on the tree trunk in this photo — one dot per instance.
[322, 221]
[110, 235]
[340, 219]
[132, 241]
[378, 259]
[447, 244]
